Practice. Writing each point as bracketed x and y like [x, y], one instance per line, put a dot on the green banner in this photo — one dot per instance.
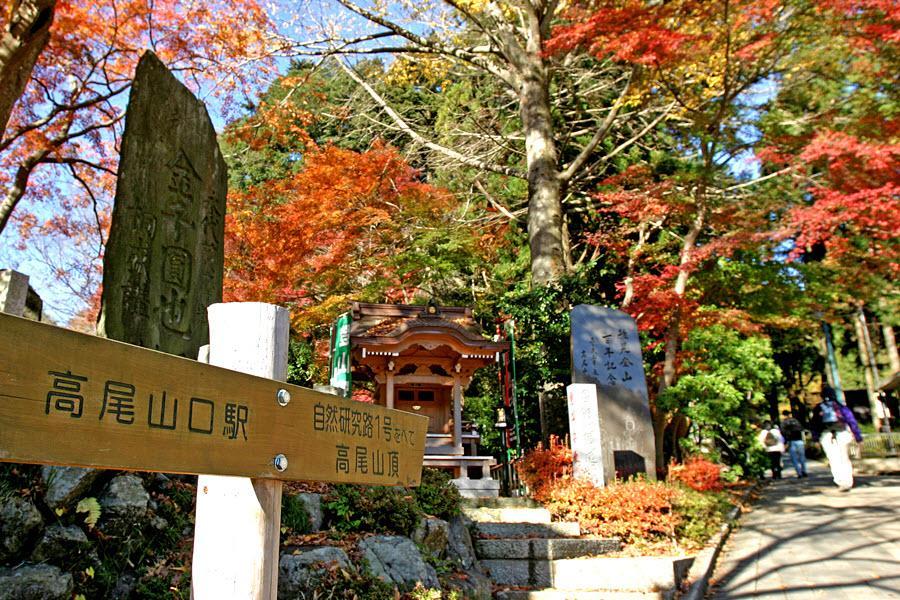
[340, 354]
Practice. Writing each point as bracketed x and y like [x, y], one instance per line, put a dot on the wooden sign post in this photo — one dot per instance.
[72, 399]
[77, 400]
[241, 560]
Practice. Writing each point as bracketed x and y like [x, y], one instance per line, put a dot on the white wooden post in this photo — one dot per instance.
[238, 520]
[13, 292]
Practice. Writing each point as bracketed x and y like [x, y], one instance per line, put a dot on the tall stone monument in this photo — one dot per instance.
[606, 352]
[584, 433]
[164, 257]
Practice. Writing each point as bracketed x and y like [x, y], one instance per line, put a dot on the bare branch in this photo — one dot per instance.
[403, 126]
[424, 44]
[601, 132]
[494, 203]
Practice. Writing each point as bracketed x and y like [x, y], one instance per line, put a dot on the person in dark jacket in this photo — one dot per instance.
[834, 427]
[793, 437]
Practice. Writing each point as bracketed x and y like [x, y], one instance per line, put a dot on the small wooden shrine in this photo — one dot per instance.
[421, 358]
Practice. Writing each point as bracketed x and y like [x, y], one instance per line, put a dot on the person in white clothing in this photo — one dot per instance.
[772, 441]
[834, 427]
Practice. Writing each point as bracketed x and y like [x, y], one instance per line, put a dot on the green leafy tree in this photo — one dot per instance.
[723, 390]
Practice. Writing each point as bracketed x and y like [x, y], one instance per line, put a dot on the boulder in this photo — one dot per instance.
[432, 535]
[125, 498]
[459, 544]
[35, 582]
[471, 585]
[20, 521]
[66, 484]
[396, 560]
[313, 505]
[63, 546]
[295, 570]
[124, 507]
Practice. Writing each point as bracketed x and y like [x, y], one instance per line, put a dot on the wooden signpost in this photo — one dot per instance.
[72, 399]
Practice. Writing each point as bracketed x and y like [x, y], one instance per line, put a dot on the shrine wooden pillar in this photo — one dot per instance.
[457, 415]
[389, 389]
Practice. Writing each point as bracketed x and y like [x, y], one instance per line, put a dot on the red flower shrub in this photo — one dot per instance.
[698, 474]
[540, 468]
[629, 510]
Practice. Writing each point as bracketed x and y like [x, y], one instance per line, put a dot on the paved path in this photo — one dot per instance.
[804, 540]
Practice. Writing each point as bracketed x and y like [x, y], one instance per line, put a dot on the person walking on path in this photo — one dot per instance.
[834, 426]
[793, 435]
[773, 442]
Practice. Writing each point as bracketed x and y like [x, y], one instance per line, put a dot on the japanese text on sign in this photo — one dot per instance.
[122, 403]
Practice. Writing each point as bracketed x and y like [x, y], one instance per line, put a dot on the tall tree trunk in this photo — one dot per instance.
[672, 336]
[866, 359]
[890, 343]
[545, 233]
[672, 333]
[17, 188]
[26, 33]
[643, 233]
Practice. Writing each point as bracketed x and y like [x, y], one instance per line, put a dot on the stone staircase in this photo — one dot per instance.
[528, 557]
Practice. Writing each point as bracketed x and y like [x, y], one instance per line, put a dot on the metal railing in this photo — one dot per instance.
[876, 445]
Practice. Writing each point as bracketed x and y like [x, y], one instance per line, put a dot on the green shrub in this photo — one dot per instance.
[700, 514]
[732, 474]
[372, 509]
[436, 495]
[294, 518]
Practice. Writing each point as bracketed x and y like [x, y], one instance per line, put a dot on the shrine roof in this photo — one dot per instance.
[385, 323]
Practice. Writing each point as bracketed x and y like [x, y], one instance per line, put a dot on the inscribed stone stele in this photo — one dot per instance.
[164, 257]
[606, 351]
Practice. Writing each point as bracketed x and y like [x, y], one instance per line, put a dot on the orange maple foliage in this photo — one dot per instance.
[630, 510]
[327, 232]
[59, 152]
[697, 473]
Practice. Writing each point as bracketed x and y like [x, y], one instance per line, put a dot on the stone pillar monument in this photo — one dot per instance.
[584, 433]
[164, 258]
[606, 352]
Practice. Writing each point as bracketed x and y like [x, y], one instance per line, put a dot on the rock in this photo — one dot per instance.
[125, 585]
[19, 522]
[471, 585]
[163, 264]
[459, 544]
[63, 546]
[395, 559]
[158, 523]
[432, 534]
[313, 505]
[124, 502]
[295, 570]
[35, 582]
[65, 484]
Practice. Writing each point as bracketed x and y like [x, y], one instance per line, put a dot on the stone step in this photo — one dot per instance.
[508, 515]
[642, 574]
[554, 594]
[552, 548]
[500, 502]
[559, 529]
